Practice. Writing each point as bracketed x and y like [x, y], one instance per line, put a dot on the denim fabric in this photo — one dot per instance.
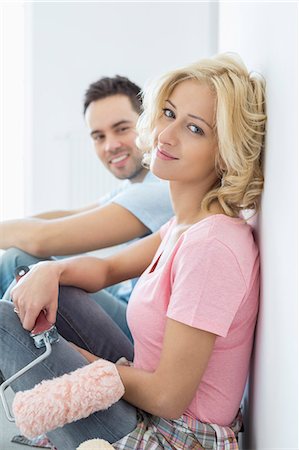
[83, 322]
[9, 261]
[17, 349]
[109, 299]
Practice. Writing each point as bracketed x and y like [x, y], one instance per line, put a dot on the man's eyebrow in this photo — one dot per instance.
[121, 122]
[115, 125]
[192, 115]
[94, 132]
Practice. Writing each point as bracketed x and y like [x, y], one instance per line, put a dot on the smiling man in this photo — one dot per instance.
[114, 140]
[137, 208]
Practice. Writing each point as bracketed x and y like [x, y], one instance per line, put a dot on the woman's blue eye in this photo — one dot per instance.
[168, 113]
[195, 129]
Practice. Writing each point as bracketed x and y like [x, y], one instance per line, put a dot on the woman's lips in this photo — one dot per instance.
[164, 155]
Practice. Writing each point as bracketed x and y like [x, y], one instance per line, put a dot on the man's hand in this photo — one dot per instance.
[37, 291]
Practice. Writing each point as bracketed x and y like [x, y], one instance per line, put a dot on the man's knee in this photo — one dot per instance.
[14, 257]
[9, 261]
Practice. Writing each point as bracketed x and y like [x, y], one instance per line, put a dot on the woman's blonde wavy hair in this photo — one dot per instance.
[239, 127]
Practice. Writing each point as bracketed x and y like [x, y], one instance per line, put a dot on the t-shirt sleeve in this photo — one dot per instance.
[207, 287]
[107, 198]
[149, 202]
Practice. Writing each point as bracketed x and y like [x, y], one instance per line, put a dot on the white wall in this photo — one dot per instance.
[70, 45]
[265, 35]
[12, 128]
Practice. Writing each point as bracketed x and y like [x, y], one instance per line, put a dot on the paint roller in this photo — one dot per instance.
[70, 397]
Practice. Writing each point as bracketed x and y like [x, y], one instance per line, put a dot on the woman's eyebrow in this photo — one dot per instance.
[192, 115]
[171, 103]
[200, 118]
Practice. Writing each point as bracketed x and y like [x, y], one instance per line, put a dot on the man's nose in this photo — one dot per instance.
[112, 144]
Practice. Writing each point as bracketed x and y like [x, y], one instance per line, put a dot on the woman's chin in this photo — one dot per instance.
[157, 170]
[160, 174]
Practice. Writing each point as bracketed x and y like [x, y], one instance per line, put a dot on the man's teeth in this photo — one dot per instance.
[120, 158]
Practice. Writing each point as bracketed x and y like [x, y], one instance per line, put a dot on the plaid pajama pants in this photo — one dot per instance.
[184, 433]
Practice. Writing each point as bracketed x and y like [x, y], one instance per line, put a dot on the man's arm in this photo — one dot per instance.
[64, 213]
[101, 227]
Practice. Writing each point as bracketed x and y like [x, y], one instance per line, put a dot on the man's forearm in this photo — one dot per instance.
[91, 230]
[53, 215]
[58, 214]
[21, 233]
[41, 237]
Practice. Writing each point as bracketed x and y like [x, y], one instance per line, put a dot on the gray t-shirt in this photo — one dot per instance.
[149, 201]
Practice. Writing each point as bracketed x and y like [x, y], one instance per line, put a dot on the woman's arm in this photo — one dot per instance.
[165, 393]
[169, 390]
[38, 289]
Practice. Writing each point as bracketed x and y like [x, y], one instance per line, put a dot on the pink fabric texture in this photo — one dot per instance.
[53, 403]
[209, 280]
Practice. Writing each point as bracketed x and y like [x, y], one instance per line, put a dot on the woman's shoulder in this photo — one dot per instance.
[232, 233]
[217, 225]
[220, 240]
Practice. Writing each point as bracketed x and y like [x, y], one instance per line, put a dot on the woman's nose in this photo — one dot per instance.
[169, 134]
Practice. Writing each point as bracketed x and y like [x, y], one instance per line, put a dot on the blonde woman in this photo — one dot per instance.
[193, 311]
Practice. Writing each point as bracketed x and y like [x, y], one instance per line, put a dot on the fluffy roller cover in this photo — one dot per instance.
[95, 444]
[53, 403]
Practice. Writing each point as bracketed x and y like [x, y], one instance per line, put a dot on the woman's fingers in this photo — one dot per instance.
[34, 292]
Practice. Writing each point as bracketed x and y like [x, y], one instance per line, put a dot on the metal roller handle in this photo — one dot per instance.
[43, 333]
[10, 380]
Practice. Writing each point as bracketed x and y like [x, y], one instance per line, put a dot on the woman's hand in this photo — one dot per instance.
[37, 291]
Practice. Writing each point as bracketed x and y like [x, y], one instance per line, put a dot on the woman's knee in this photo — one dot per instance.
[70, 296]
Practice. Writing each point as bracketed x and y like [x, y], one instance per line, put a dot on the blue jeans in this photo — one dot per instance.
[114, 305]
[98, 334]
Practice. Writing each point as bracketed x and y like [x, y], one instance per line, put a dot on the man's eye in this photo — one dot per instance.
[122, 129]
[196, 130]
[98, 137]
[168, 113]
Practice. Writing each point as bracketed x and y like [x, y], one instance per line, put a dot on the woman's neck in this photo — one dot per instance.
[186, 202]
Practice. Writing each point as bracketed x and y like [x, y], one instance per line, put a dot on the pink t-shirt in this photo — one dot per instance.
[210, 281]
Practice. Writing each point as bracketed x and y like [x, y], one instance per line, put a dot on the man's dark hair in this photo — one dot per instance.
[118, 85]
